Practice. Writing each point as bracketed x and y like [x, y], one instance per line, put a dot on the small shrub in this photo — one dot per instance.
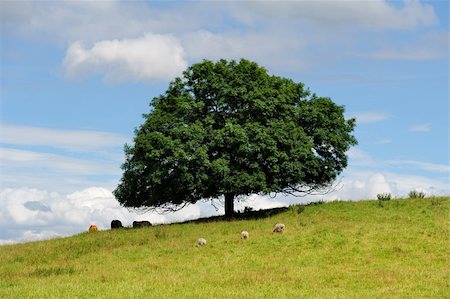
[416, 194]
[314, 203]
[384, 196]
[435, 201]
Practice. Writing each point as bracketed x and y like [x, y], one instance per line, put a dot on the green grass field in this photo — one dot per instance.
[330, 250]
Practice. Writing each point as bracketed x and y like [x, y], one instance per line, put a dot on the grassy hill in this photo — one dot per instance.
[330, 250]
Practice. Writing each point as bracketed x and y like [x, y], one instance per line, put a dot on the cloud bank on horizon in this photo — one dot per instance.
[77, 75]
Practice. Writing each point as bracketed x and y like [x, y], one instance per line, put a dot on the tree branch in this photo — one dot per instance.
[319, 189]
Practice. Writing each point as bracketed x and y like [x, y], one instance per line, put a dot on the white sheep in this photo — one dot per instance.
[201, 242]
[244, 234]
[279, 228]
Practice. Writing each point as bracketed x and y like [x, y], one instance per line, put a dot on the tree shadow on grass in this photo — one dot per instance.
[247, 214]
[250, 214]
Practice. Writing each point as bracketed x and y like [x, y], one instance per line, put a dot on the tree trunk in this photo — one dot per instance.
[229, 206]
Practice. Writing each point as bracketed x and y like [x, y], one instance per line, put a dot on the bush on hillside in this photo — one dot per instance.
[416, 194]
[384, 196]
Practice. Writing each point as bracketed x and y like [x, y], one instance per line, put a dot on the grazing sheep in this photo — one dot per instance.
[116, 224]
[138, 224]
[93, 228]
[279, 228]
[201, 242]
[244, 234]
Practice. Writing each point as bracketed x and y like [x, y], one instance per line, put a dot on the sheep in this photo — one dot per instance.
[201, 242]
[244, 234]
[93, 228]
[279, 228]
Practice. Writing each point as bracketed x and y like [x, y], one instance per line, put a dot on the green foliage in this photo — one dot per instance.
[229, 129]
[436, 201]
[384, 196]
[416, 194]
[334, 250]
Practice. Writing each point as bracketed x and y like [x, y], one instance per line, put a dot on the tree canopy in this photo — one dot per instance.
[226, 129]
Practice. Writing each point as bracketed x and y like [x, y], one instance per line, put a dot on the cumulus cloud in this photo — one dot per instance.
[30, 214]
[147, 58]
[356, 185]
[298, 33]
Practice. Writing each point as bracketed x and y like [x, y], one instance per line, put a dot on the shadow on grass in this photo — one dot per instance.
[239, 215]
[249, 214]
[245, 215]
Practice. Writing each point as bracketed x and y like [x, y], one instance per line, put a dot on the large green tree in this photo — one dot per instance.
[227, 129]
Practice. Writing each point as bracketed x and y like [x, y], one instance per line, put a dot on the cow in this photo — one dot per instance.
[93, 228]
[116, 224]
[138, 224]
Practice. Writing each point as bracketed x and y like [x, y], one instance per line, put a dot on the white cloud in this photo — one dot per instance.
[88, 20]
[366, 184]
[357, 184]
[54, 171]
[257, 46]
[420, 128]
[39, 157]
[31, 214]
[375, 14]
[71, 140]
[370, 117]
[359, 157]
[431, 45]
[297, 33]
[14, 158]
[431, 167]
[148, 58]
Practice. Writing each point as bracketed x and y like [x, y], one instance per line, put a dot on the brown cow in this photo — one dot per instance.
[93, 228]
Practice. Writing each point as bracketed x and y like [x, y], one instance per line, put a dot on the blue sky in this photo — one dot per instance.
[76, 76]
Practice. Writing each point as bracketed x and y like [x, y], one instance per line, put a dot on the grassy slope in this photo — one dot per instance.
[339, 249]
